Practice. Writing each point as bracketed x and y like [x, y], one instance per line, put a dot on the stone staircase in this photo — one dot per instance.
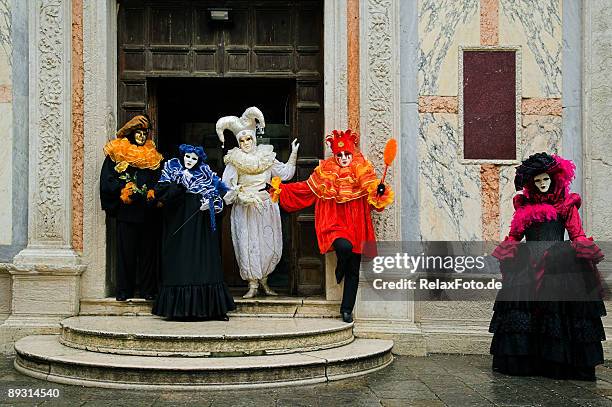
[266, 343]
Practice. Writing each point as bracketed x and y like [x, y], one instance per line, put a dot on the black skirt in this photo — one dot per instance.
[547, 317]
[192, 285]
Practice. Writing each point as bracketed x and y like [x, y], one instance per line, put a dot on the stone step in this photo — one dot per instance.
[44, 357]
[154, 336]
[302, 307]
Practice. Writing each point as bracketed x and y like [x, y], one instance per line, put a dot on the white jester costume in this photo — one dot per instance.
[255, 219]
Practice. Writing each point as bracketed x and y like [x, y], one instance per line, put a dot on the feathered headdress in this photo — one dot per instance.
[562, 172]
[251, 120]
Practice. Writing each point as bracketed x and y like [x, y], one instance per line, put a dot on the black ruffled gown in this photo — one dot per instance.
[192, 285]
[535, 331]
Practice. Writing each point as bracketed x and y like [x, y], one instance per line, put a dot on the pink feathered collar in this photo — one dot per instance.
[541, 208]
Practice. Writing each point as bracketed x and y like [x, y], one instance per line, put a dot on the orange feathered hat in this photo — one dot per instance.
[342, 141]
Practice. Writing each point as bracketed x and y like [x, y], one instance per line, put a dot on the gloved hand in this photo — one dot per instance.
[137, 122]
[294, 146]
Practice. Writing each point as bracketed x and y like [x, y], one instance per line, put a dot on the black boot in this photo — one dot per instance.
[347, 317]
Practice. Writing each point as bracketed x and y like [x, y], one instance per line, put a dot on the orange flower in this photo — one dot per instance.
[380, 202]
[150, 195]
[126, 192]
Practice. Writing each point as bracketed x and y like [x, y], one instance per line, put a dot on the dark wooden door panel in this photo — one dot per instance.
[169, 25]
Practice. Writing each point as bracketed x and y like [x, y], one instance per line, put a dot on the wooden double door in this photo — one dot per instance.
[185, 70]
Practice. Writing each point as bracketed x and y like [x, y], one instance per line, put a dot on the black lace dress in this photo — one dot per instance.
[547, 317]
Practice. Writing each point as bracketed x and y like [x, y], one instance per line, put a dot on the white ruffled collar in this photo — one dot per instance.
[254, 162]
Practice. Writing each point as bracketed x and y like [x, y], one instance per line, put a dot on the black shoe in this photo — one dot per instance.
[339, 275]
[121, 297]
[150, 297]
[347, 317]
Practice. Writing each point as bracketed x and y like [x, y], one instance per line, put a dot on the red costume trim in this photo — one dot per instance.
[532, 206]
[342, 184]
[340, 196]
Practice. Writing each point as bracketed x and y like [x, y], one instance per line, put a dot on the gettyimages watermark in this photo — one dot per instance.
[467, 271]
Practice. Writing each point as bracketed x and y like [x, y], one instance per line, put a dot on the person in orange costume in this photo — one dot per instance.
[130, 170]
[343, 188]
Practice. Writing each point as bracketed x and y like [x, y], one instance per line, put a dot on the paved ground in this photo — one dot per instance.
[440, 380]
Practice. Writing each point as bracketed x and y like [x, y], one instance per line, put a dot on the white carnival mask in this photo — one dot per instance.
[344, 158]
[542, 182]
[190, 160]
[246, 141]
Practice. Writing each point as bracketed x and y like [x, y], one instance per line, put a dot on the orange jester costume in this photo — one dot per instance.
[343, 195]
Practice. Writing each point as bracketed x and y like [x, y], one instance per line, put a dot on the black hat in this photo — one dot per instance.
[532, 166]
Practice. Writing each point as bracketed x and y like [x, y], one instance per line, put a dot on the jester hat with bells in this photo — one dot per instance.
[251, 120]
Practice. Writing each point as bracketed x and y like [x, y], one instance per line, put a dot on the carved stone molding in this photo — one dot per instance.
[380, 99]
[49, 221]
[380, 120]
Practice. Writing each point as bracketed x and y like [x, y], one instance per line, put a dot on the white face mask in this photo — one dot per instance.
[246, 142]
[542, 182]
[344, 158]
[190, 159]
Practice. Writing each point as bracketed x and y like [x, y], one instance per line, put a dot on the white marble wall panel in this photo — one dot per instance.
[572, 88]
[6, 126]
[444, 25]
[536, 27]
[449, 192]
[541, 133]
[6, 178]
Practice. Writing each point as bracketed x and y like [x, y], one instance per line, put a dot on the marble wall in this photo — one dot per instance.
[450, 192]
[13, 137]
[536, 27]
[6, 125]
[444, 25]
[454, 202]
[449, 201]
[6, 154]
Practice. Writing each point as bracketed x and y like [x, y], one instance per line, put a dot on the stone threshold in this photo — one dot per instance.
[281, 306]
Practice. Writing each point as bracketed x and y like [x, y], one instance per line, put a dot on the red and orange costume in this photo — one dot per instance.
[343, 198]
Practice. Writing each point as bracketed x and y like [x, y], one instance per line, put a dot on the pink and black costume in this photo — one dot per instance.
[547, 317]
